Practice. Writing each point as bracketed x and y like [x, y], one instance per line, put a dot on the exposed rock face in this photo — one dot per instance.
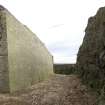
[91, 55]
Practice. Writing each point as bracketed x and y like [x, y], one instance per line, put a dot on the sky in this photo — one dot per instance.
[60, 24]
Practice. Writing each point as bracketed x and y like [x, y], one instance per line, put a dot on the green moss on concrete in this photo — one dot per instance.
[4, 77]
[28, 60]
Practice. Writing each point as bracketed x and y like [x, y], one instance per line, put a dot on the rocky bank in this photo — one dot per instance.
[91, 55]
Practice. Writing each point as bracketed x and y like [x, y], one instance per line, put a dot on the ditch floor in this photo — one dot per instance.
[58, 90]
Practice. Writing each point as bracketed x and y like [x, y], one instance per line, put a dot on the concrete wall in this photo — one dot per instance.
[28, 59]
[4, 77]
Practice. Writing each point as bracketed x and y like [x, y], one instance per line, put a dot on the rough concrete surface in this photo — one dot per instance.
[24, 59]
[4, 73]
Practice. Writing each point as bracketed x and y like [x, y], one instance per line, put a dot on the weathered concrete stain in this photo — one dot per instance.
[23, 57]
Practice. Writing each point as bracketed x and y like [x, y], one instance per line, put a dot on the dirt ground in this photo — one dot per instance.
[58, 90]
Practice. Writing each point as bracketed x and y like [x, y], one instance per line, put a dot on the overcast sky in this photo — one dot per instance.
[60, 24]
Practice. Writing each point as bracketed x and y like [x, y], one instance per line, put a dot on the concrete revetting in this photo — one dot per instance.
[24, 59]
[4, 73]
